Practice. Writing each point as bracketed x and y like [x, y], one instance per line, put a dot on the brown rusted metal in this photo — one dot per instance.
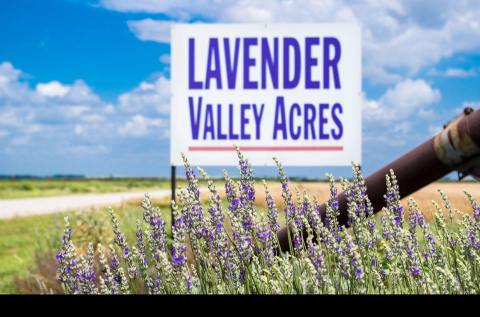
[456, 148]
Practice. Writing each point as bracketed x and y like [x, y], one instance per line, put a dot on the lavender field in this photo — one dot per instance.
[230, 246]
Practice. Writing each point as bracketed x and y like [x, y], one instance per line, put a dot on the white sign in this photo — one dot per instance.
[292, 91]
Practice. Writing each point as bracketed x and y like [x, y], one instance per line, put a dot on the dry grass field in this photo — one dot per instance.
[423, 197]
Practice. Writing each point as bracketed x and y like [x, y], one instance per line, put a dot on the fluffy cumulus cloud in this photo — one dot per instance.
[53, 89]
[71, 118]
[392, 119]
[139, 126]
[151, 30]
[151, 98]
[406, 99]
[400, 38]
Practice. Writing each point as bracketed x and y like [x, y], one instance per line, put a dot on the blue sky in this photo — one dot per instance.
[84, 85]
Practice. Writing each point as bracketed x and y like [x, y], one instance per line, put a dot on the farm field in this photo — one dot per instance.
[424, 196]
[28, 188]
[26, 241]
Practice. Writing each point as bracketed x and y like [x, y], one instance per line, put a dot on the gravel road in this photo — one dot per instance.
[10, 208]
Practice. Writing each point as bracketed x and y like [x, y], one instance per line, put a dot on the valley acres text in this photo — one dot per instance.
[297, 63]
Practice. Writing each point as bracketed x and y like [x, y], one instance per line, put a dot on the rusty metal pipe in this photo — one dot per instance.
[457, 147]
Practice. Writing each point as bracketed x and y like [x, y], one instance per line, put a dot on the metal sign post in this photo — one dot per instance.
[173, 185]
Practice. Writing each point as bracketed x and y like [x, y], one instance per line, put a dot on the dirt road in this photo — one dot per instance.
[10, 208]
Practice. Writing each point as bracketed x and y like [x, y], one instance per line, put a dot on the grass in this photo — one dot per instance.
[22, 238]
[11, 188]
[19, 239]
[29, 188]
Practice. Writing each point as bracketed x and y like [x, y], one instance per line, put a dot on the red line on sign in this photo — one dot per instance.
[325, 148]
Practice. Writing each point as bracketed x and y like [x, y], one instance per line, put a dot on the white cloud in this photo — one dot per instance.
[93, 118]
[108, 109]
[181, 9]
[151, 6]
[53, 89]
[79, 129]
[61, 116]
[22, 140]
[400, 38]
[392, 119]
[148, 97]
[82, 149]
[164, 58]
[402, 127]
[8, 117]
[151, 30]
[139, 126]
[79, 92]
[8, 74]
[13, 91]
[454, 72]
[434, 129]
[457, 72]
[33, 128]
[75, 111]
[405, 99]
[3, 133]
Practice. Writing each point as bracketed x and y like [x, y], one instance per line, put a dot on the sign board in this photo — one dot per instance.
[292, 91]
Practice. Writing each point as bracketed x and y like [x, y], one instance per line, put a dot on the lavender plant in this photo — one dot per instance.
[229, 245]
